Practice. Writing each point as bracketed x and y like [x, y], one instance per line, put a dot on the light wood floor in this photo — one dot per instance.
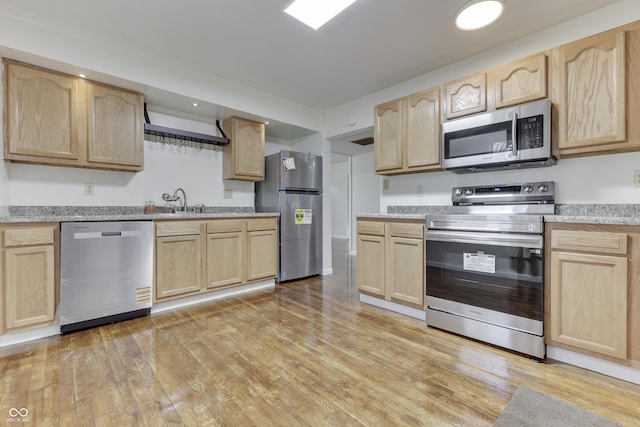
[307, 353]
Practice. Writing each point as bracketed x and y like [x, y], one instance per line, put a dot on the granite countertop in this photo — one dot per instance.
[26, 214]
[408, 212]
[391, 216]
[614, 214]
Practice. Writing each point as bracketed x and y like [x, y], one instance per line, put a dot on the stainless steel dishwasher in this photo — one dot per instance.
[106, 272]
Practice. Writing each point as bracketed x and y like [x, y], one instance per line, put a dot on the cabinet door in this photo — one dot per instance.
[422, 131]
[115, 127]
[590, 93]
[466, 96]
[41, 114]
[370, 265]
[29, 281]
[405, 270]
[262, 254]
[243, 157]
[588, 302]
[388, 134]
[521, 81]
[178, 265]
[225, 259]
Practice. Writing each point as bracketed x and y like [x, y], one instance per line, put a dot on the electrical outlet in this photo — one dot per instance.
[385, 184]
[636, 178]
[89, 189]
[420, 190]
[228, 193]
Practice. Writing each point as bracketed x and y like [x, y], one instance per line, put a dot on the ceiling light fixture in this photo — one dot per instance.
[316, 13]
[82, 76]
[195, 104]
[478, 14]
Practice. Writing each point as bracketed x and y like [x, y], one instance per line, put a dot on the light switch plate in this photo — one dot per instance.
[89, 189]
[228, 193]
[385, 184]
[636, 178]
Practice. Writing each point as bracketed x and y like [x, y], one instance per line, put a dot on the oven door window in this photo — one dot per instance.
[500, 278]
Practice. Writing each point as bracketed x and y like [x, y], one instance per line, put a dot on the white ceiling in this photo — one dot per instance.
[372, 45]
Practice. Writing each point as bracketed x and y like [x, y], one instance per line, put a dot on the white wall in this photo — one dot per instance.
[595, 179]
[340, 213]
[166, 167]
[365, 190]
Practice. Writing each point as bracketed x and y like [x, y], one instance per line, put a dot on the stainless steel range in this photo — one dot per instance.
[485, 265]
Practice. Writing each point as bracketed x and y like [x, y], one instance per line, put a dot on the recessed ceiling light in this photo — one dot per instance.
[316, 13]
[195, 104]
[82, 76]
[478, 14]
[266, 123]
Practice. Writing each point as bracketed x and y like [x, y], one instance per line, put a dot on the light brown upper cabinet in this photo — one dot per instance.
[59, 120]
[115, 126]
[591, 91]
[407, 134]
[243, 156]
[524, 80]
[466, 96]
[595, 88]
[40, 114]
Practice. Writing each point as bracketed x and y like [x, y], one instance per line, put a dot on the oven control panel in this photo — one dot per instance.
[529, 192]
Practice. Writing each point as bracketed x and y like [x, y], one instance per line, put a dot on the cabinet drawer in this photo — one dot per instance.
[224, 226]
[415, 231]
[371, 228]
[262, 224]
[28, 236]
[177, 228]
[589, 241]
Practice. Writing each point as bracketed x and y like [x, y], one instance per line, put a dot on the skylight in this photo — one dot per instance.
[316, 13]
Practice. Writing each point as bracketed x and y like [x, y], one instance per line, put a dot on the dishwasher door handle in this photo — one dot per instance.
[104, 234]
[111, 233]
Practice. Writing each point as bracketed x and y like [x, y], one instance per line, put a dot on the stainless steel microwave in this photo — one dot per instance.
[510, 138]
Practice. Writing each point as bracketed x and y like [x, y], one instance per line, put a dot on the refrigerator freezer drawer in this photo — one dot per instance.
[300, 258]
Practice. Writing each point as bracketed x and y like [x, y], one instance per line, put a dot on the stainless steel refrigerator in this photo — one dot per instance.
[293, 187]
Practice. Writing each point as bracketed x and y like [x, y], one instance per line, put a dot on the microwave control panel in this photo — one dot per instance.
[531, 133]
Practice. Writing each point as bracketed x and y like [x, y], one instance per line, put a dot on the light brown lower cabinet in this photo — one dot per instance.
[593, 289]
[194, 256]
[262, 249]
[225, 244]
[390, 260]
[29, 266]
[178, 259]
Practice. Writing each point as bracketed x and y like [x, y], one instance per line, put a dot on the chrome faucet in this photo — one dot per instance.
[183, 200]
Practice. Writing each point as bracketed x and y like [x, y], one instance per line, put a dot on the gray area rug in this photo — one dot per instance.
[531, 408]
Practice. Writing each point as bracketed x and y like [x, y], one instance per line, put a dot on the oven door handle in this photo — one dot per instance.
[488, 239]
[514, 135]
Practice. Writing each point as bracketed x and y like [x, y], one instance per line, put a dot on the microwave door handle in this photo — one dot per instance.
[514, 135]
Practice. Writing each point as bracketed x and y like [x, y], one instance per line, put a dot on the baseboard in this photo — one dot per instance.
[605, 367]
[211, 296]
[29, 335]
[327, 271]
[395, 307]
